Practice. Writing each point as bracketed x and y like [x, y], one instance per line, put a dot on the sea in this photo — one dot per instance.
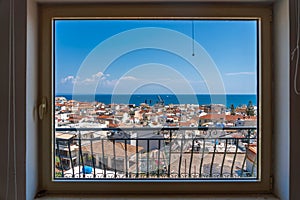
[167, 99]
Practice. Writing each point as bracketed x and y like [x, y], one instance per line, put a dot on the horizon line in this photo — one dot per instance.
[159, 94]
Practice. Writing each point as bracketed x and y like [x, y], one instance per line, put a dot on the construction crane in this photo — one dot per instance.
[161, 101]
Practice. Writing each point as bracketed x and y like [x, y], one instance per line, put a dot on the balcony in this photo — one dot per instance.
[200, 153]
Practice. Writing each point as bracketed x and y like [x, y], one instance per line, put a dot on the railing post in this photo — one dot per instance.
[180, 156]
[70, 155]
[93, 160]
[137, 158]
[191, 159]
[170, 152]
[225, 151]
[115, 159]
[103, 158]
[213, 158]
[126, 159]
[158, 162]
[202, 157]
[246, 151]
[234, 158]
[148, 149]
[60, 160]
[81, 156]
[253, 165]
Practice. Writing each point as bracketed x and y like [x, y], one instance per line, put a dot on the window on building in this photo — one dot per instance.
[177, 98]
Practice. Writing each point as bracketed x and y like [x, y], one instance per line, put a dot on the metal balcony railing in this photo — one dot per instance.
[156, 153]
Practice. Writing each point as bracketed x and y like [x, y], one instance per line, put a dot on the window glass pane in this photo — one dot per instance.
[159, 99]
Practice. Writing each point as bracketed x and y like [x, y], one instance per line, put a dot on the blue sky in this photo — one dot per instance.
[100, 56]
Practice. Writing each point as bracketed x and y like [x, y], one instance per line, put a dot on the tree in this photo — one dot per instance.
[58, 174]
[232, 109]
[250, 109]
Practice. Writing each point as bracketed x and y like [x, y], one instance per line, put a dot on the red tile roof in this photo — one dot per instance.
[109, 150]
[227, 117]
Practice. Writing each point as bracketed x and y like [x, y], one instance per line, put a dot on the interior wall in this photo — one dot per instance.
[31, 99]
[13, 99]
[4, 108]
[281, 143]
[15, 185]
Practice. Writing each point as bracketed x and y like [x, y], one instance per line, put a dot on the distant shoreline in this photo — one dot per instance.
[167, 99]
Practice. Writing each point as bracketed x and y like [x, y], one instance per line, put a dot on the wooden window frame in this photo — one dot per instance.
[261, 12]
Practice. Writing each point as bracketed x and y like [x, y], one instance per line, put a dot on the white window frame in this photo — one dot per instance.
[261, 12]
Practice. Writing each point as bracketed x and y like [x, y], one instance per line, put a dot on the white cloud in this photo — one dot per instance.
[128, 78]
[90, 80]
[94, 78]
[98, 75]
[110, 83]
[105, 82]
[239, 73]
[67, 79]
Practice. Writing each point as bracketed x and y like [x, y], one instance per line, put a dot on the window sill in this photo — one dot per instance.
[169, 197]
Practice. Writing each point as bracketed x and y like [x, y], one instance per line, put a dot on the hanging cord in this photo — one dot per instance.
[193, 37]
[11, 104]
[296, 49]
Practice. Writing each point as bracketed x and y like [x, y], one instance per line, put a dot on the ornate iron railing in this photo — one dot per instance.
[156, 153]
